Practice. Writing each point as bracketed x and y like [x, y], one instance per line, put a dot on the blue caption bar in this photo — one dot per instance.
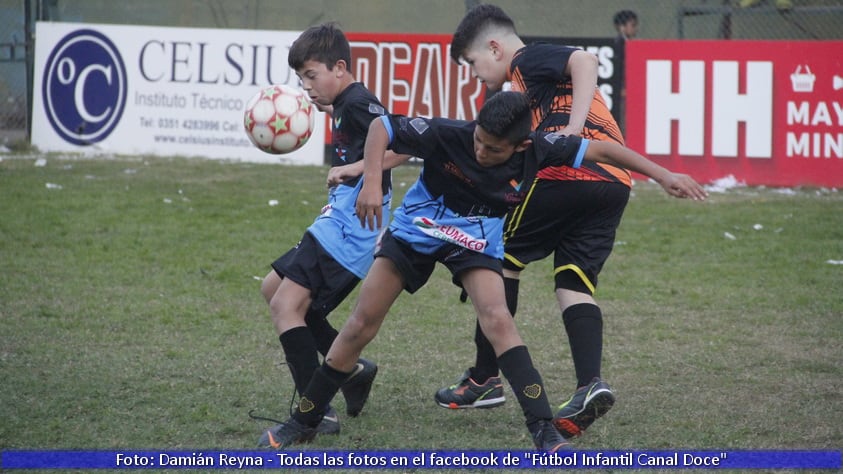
[30, 459]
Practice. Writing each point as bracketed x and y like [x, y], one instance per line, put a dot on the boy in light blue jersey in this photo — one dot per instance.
[309, 281]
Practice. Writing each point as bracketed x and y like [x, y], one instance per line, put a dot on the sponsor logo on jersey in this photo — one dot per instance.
[450, 233]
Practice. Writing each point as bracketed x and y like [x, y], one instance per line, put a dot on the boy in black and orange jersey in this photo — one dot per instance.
[560, 83]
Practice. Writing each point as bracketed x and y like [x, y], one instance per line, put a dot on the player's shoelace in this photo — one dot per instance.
[293, 402]
[264, 418]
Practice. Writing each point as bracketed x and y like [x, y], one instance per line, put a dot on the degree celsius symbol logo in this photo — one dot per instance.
[84, 87]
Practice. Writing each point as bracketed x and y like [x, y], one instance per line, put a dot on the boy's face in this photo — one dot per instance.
[485, 60]
[322, 84]
[629, 29]
[491, 150]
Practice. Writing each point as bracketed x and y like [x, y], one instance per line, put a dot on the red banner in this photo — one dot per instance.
[413, 74]
[765, 112]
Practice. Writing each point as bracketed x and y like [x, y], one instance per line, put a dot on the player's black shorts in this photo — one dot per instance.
[416, 267]
[574, 220]
[309, 265]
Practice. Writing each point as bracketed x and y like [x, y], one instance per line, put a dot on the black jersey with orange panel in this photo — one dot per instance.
[538, 70]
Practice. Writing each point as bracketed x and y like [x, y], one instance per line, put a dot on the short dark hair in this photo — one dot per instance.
[325, 43]
[507, 115]
[624, 16]
[473, 23]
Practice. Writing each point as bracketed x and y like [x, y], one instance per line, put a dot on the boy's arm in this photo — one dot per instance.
[582, 67]
[676, 184]
[369, 207]
[341, 174]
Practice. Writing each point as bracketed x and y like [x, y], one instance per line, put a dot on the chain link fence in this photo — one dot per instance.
[760, 19]
[13, 87]
[659, 19]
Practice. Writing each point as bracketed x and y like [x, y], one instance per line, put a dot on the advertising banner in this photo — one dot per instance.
[609, 67]
[157, 90]
[413, 74]
[765, 112]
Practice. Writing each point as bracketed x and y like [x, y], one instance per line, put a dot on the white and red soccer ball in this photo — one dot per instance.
[279, 119]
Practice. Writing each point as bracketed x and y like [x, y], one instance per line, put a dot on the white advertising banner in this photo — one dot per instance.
[157, 90]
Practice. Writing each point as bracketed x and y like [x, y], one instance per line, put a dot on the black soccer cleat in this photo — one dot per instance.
[330, 423]
[286, 434]
[466, 393]
[585, 406]
[357, 386]
[546, 438]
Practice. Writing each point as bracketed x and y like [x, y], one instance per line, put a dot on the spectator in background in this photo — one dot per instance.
[626, 24]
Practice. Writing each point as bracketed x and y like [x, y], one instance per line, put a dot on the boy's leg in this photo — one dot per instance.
[269, 285]
[593, 397]
[584, 326]
[486, 364]
[325, 283]
[480, 386]
[322, 330]
[288, 305]
[485, 288]
[581, 252]
[356, 390]
[380, 288]
[378, 292]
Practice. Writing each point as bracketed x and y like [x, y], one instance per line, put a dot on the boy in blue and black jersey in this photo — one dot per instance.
[310, 280]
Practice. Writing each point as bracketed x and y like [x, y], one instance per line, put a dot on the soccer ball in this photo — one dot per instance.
[279, 119]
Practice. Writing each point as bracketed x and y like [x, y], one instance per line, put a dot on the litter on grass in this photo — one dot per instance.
[724, 184]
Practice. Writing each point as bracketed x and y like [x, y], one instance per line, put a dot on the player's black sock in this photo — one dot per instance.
[517, 366]
[323, 332]
[584, 325]
[324, 384]
[510, 288]
[300, 352]
[486, 362]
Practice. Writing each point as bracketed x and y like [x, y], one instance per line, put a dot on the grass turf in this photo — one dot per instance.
[131, 318]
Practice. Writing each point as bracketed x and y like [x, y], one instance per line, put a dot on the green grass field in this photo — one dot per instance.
[131, 318]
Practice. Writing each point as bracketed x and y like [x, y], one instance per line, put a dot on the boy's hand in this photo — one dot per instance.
[340, 174]
[369, 207]
[569, 130]
[683, 186]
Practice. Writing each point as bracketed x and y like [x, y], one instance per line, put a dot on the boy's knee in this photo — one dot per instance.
[495, 323]
[358, 324]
